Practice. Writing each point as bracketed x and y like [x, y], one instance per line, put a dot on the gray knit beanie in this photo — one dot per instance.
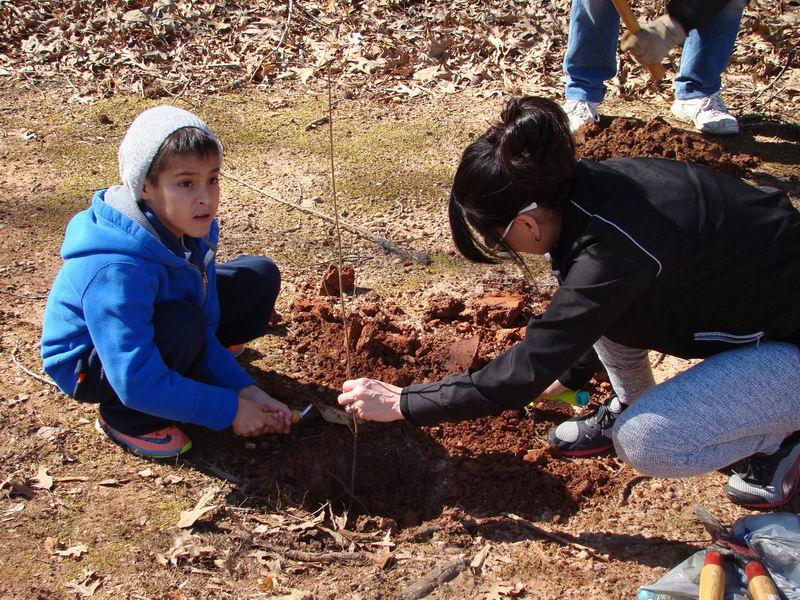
[144, 138]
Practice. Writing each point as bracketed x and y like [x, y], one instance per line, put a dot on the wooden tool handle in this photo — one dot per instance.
[712, 577]
[657, 72]
[759, 583]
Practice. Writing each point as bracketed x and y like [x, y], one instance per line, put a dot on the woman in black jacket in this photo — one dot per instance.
[651, 254]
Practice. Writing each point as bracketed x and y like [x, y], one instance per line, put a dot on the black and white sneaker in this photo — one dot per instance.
[588, 434]
[770, 479]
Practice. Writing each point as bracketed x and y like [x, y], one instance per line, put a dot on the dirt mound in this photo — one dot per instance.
[655, 138]
[403, 473]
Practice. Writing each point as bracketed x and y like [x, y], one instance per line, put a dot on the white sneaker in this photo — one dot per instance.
[708, 114]
[580, 112]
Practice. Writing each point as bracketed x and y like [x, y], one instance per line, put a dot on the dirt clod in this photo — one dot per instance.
[330, 281]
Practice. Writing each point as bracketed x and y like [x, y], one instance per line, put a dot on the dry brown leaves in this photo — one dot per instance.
[393, 49]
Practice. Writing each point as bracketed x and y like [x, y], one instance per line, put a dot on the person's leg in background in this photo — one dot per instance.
[590, 58]
[630, 375]
[706, 54]
[734, 405]
[248, 287]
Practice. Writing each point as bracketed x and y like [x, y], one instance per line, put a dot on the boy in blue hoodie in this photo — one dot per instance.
[139, 315]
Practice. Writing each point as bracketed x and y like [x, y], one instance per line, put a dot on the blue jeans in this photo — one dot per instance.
[591, 56]
[247, 288]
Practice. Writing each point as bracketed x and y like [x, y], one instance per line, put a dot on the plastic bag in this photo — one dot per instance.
[774, 538]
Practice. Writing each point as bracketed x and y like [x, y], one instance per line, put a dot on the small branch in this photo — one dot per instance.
[386, 244]
[280, 41]
[317, 557]
[628, 487]
[553, 536]
[441, 573]
[22, 367]
[770, 84]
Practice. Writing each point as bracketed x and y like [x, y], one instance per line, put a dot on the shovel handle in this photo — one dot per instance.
[712, 577]
[657, 72]
[759, 583]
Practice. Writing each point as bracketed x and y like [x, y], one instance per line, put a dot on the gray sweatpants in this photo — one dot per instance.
[721, 410]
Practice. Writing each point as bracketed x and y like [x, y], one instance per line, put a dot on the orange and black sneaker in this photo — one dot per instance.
[168, 442]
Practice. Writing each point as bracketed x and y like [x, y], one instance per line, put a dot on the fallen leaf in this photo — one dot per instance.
[73, 551]
[42, 480]
[172, 479]
[145, 473]
[188, 517]
[48, 433]
[109, 483]
[267, 583]
[87, 585]
[50, 544]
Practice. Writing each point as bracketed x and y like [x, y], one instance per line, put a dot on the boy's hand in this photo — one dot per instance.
[279, 412]
[251, 420]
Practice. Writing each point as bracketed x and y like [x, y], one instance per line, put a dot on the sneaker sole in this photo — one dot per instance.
[590, 452]
[139, 451]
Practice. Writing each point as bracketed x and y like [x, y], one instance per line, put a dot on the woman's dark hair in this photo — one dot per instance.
[528, 156]
[183, 141]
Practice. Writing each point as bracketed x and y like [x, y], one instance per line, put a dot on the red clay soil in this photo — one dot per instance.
[621, 136]
[407, 474]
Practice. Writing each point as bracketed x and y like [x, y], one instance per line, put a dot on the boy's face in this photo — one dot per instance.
[185, 194]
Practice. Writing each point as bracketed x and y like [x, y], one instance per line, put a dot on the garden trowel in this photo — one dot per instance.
[315, 410]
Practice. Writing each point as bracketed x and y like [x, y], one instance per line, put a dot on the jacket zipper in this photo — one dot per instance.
[204, 280]
[728, 338]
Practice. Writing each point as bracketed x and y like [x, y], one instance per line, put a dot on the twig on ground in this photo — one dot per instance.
[770, 84]
[280, 41]
[72, 85]
[16, 361]
[441, 573]
[176, 97]
[628, 487]
[33, 85]
[554, 536]
[316, 557]
[386, 244]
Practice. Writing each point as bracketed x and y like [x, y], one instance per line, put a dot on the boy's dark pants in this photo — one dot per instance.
[247, 287]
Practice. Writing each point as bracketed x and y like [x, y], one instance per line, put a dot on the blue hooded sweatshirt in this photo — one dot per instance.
[116, 270]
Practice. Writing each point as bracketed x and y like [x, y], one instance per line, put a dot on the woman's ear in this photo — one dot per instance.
[531, 225]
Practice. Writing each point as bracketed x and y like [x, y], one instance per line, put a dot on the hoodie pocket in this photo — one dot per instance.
[727, 338]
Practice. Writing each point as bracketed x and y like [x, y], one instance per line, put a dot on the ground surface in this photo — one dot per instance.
[81, 517]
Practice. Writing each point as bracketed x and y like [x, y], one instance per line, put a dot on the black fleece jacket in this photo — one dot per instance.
[653, 254]
[694, 14]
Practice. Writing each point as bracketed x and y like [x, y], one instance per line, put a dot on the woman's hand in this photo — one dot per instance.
[371, 400]
[280, 413]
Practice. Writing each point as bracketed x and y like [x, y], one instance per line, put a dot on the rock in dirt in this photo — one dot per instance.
[444, 307]
[463, 354]
[330, 281]
[500, 309]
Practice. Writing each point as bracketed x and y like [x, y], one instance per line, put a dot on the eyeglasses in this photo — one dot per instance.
[530, 206]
